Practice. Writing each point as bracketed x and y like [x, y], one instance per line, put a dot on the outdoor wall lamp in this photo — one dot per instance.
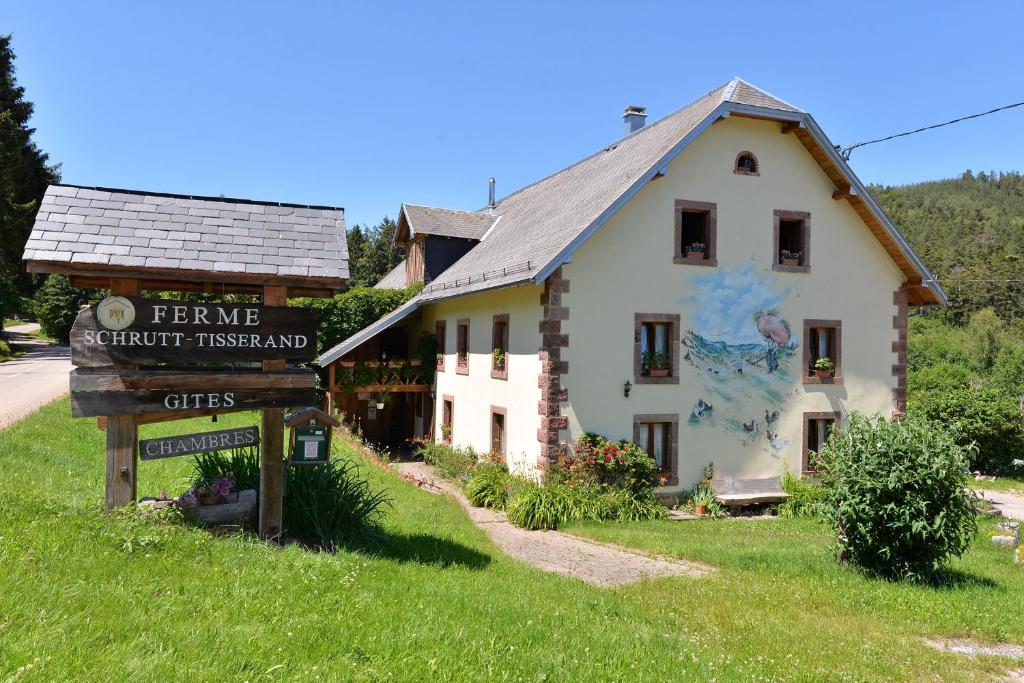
[626, 387]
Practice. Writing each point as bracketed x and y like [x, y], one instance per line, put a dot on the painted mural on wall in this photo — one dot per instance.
[745, 351]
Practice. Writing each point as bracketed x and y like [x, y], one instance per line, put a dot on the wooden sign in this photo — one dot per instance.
[139, 392]
[125, 330]
[190, 444]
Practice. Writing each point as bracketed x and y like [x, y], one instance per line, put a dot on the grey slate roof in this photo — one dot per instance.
[447, 222]
[103, 227]
[395, 279]
[540, 225]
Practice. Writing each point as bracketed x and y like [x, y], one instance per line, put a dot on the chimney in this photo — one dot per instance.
[635, 116]
[490, 193]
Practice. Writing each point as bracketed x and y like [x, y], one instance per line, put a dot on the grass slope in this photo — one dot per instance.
[87, 596]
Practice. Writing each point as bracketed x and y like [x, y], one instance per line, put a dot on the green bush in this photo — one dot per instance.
[805, 496]
[985, 417]
[625, 506]
[896, 492]
[241, 463]
[939, 377]
[57, 304]
[489, 486]
[544, 507]
[595, 460]
[344, 314]
[452, 463]
[326, 505]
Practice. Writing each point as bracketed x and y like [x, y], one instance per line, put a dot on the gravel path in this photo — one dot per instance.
[596, 563]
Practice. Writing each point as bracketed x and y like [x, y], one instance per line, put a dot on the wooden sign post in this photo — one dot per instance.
[271, 451]
[122, 432]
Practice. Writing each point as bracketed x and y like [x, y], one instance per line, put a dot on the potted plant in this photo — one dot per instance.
[790, 258]
[656, 364]
[499, 358]
[383, 398]
[440, 359]
[696, 250]
[824, 367]
[702, 498]
[446, 433]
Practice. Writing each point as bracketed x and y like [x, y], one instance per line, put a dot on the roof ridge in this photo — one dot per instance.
[762, 90]
[445, 208]
[611, 145]
[207, 198]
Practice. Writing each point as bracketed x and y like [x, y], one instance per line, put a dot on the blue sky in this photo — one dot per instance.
[366, 105]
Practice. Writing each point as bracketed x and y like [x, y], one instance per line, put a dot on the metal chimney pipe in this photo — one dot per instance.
[490, 194]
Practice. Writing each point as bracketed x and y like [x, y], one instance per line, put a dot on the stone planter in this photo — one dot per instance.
[239, 509]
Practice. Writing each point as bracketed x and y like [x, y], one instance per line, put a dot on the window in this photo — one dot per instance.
[447, 418]
[792, 241]
[462, 347]
[656, 348]
[658, 435]
[746, 164]
[823, 350]
[439, 333]
[817, 427]
[696, 233]
[499, 347]
[498, 418]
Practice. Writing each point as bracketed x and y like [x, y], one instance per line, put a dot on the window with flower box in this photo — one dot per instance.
[792, 242]
[817, 427]
[658, 435]
[696, 231]
[822, 352]
[447, 417]
[656, 348]
[440, 329]
[462, 347]
[499, 347]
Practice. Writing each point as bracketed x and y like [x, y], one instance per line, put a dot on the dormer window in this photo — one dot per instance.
[746, 164]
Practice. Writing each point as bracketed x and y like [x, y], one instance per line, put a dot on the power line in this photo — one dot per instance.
[845, 152]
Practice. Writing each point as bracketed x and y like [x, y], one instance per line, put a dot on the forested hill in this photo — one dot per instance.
[970, 232]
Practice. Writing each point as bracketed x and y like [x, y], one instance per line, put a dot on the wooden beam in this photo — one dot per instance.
[122, 433]
[791, 126]
[272, 447]
[845, 192]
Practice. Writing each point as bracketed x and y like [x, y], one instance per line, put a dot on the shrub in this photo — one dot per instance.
[939, 377]
[624, 506]
[450, 462]
[805, 496]
[597, 461]
[329, 504]
[344, 314]
[57, 304]
[896, 491]
[986, 417]
[489, 486]
[544, 507]
[241, 463]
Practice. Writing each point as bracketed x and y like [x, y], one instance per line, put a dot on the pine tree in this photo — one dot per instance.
[25, 172]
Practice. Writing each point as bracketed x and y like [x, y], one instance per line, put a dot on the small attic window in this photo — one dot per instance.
[746, 164]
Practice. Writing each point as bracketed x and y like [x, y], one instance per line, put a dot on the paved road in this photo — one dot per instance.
[1010, 505]
[34, 379]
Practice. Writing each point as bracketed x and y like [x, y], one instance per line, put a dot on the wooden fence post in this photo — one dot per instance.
[122, 434]
[272, 446]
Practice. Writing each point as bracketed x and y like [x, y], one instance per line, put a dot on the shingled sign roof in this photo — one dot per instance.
[539, 227]
[112, 232]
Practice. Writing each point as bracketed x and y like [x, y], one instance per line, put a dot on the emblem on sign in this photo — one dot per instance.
[115, 313]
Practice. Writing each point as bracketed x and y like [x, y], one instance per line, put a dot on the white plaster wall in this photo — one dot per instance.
[627, 267]
[476, 392]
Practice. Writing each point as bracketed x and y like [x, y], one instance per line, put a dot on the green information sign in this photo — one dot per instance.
[309, 445]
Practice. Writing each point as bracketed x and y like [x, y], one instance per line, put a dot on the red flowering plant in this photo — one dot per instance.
[596, 461]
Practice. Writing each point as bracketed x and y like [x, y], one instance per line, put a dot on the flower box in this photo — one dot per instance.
[238, 507]
[791, 262]
[823, 373]
[658, 372]
[695, 255]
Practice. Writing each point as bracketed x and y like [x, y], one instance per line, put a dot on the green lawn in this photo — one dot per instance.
[86, 596]
[1000, 484]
